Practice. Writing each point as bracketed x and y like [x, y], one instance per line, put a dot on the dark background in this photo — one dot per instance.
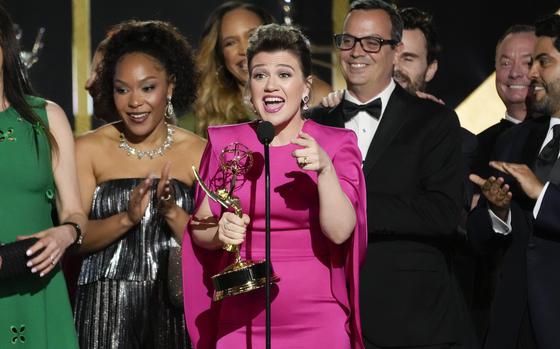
[468, 32]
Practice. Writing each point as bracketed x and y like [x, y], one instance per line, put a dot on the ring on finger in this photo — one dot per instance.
[167, 197]
[304, 162]
[486, 186]
[52, 260]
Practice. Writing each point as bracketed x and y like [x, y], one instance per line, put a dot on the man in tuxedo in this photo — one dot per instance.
[520, 212]
[416, 64]
[411, 149]
[513, 56]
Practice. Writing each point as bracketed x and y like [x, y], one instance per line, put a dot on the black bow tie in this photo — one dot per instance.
[373, 108]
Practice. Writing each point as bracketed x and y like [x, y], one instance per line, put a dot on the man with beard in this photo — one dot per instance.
[519, 211]
[416, 62]
[513, 57]
[411, 149]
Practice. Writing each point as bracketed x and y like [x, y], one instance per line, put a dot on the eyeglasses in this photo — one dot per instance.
[370, 44]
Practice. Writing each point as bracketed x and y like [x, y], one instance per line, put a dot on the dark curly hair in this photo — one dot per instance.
[159, 40]
[276, 37]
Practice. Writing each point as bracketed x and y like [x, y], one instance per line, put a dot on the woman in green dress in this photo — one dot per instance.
[38, 172]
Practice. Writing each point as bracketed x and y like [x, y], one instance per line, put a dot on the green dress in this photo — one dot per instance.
[34, 312]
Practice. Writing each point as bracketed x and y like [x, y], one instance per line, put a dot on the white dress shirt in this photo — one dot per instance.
[363, 124]
[512, 119]
[504, 228]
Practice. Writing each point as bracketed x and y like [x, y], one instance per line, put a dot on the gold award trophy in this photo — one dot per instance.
[243, 275]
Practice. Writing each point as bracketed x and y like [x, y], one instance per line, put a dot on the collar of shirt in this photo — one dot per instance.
[384, 95]
[363, 124]
[512, 119]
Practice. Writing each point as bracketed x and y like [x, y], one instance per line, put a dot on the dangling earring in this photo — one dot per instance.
[249, 103]
[305, 103]
[169, 111]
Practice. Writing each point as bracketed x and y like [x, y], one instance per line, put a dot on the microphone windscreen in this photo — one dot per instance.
[265, 132]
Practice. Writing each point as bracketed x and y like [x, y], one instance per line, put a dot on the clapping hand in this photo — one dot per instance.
[138, 202]
[529, 183]
[496, 192]
[164, 192]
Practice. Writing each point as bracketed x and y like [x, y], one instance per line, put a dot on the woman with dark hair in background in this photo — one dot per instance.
[124, 299]
[37, 150]
[318, 228]
[222, 63]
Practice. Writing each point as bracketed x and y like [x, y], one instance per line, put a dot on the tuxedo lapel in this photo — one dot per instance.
[334, 117]
[392, 120]
[535, 138]
[534, 143]
[554, 176]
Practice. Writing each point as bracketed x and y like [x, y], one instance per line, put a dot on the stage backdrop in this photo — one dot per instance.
[468, 33]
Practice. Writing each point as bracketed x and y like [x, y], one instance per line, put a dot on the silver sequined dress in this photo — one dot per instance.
[122, 299]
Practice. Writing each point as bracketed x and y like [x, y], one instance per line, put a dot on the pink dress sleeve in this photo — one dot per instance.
[198, 266]
[346, 261]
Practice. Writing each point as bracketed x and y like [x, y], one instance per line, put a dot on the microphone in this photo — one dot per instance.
[265, 132]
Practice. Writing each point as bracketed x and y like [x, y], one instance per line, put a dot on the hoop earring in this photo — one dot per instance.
[305, 101]
[169, 111]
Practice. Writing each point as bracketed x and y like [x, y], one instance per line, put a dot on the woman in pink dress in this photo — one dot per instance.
[318, 226]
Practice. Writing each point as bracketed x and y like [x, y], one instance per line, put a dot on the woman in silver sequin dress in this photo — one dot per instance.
[123, 299]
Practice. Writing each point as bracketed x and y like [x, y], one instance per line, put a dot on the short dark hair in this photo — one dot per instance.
[163, 42]
[276, 37]
[549, 26]
[390, 9]
[414, 18]
[515, 29]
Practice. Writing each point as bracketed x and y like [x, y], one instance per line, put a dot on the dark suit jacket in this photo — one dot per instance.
[486, 142]
[530, 269]
[413, 172]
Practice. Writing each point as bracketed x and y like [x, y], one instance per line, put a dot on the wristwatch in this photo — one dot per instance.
[79, 235]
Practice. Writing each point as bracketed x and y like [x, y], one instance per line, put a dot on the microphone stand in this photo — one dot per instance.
[265, 134]
[267, 241]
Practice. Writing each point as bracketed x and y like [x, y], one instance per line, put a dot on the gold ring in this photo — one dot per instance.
[486, 186]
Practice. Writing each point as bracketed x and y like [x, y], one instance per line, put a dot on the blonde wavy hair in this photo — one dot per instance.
[219, 100]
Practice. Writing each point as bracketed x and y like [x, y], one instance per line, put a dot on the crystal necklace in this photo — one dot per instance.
[149, 153]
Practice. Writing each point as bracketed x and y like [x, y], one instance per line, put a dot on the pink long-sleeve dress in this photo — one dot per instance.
[315, 302]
